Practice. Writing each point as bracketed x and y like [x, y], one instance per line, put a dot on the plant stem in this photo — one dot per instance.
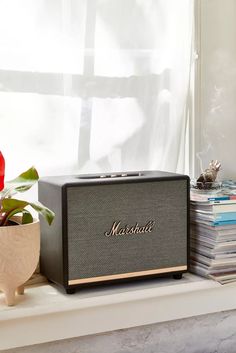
[4, 219]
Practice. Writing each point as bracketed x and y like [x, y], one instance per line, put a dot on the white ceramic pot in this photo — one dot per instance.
[19, 255]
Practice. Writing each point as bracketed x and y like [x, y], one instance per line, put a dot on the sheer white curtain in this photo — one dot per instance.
[94, 85]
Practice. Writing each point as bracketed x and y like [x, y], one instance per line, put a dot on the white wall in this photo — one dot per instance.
[218, 84]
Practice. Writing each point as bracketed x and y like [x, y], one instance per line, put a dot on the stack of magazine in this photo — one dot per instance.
[213, 235]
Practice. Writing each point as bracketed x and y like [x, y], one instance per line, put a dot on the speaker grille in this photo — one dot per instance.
[92, 211]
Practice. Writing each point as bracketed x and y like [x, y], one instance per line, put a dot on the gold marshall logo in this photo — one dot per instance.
[137, 229]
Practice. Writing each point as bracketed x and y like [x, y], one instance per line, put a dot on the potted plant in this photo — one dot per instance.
[19, 232]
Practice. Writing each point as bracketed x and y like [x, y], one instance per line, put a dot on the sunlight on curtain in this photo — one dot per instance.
[94, 85]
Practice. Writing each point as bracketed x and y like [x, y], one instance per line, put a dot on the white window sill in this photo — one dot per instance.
[45, 314]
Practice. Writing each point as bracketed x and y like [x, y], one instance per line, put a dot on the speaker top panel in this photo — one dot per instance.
[112, 178]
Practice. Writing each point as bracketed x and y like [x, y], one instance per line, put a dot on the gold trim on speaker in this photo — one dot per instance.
[127, 275]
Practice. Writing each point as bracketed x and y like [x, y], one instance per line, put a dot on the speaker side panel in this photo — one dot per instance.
[51, 254]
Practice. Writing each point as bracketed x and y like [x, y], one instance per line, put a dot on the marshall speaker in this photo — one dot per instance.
[114, 227]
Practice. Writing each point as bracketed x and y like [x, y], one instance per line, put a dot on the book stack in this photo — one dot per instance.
[213, 236]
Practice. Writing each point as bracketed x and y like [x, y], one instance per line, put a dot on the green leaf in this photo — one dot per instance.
[13, 206]
[31, 175]
[20, 184]
[11, 214]
[27, 217]
[44, 211]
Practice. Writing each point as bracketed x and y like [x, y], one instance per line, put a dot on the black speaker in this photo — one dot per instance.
[112, 227]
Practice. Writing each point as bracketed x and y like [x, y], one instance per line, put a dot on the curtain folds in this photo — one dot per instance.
[95, 85]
